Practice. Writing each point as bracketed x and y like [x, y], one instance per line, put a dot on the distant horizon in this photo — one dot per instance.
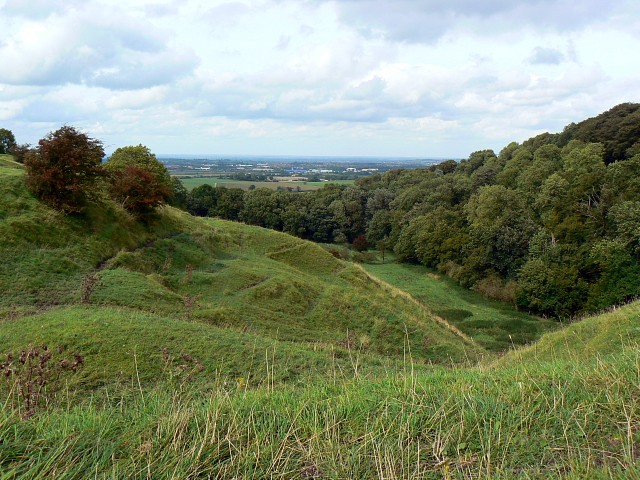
[303, 158]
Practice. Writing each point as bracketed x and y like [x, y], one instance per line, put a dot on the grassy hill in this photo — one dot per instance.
[561, 419]
[596, 337]
[108, 287]
[198, 348]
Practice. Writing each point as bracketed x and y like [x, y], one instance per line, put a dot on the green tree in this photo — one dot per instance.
[138, 156]
[64, 168]
[7, 140]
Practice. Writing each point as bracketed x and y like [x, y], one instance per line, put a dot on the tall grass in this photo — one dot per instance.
[558, 420]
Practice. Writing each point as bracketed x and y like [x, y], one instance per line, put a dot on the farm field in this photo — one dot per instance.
[192, 182]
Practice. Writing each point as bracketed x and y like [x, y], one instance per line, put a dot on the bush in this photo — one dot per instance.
[63, 169]
[139, 190]
[138, 180]
[361, 243]
[19, 152]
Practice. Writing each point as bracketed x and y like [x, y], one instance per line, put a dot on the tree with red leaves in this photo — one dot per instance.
[360, 243]
[139, 190]
[138, 180]
[63, 169]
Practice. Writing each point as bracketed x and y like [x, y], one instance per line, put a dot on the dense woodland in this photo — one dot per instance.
[552, 224]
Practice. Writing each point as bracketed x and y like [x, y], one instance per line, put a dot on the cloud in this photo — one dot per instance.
[283, 42]
[36, 9]
[426, 21]
[94, 46]
[546, 56]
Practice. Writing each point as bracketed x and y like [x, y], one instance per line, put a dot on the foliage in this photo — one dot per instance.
[139, 190]
[361, 243]
[64, 168]
[7, 141]
[477, 219]
[139, 181]
[20, 152]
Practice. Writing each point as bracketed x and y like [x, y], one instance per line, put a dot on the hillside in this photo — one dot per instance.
[102, 284]
[594, 337]
[569, 419]
[201, 348]
[617, 129]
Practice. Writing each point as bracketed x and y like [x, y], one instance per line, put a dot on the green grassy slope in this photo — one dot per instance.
[310, 367]
[201, 274]
[124, 346]
[598, 336]
[494, 325]
[8, 166]
[569, 420]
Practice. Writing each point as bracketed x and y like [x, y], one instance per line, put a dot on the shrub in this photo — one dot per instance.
[139, 181]
[19, 152]
[138, 190]
[361, 243]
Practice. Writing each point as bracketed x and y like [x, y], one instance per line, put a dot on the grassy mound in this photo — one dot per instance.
[129, 347]
[597, 336]
[201, 274]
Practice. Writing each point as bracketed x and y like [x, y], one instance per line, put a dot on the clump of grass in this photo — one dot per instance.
[563, 420]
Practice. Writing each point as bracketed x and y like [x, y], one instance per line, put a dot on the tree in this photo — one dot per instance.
[139, 190]
[360, 243]
[180, 194]
[7, 140]
[139, 181]
[63, 169]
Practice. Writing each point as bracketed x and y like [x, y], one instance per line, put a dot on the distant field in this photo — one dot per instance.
[192, 182]
[494, 325]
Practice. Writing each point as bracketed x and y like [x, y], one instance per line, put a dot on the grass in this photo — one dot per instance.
[552, 421]
[494, 325]
[213, 349]
[123, 346]
[594, 337]
[192, 182]
[208, 273]
[8, 166]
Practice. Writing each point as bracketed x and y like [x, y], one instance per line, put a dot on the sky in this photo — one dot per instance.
[402, 78]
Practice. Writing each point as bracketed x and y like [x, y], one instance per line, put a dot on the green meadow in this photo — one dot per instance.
[494, 325]
[192, 347]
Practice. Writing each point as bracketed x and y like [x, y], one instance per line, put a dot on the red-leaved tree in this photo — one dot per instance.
[139, 181]
[139, 190]
[64, 168]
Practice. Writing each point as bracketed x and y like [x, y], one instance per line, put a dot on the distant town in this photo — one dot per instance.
[274, 169]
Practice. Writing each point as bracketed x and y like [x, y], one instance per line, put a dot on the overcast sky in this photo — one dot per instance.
[416, 78]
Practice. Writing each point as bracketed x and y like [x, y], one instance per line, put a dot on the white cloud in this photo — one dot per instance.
[412, 77]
